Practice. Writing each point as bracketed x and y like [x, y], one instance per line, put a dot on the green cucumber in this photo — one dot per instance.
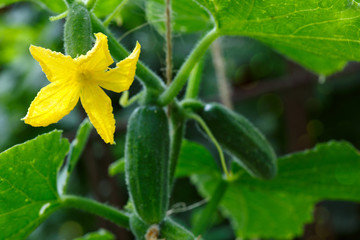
[241, 138]
[77, 30]
[147, 163]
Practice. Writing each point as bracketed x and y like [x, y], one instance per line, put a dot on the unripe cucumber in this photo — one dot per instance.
[147, 162]
[241, 138]
[77, 30]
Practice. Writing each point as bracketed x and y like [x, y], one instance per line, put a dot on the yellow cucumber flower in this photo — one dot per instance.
[82, 77]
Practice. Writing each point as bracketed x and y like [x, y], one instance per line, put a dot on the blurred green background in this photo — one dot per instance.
[292, 107]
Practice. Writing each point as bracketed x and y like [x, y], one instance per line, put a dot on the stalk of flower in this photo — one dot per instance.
[81, 77]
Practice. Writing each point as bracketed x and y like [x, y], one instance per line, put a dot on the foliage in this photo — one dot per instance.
[28, 185]
[271, 208]
[312, 27]
[36, 177]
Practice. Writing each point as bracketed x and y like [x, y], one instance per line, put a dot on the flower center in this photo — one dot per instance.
[83, 76]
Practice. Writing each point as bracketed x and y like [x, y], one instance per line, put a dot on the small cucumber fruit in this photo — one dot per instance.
[241, 138]
[77, 30]
[147, 162]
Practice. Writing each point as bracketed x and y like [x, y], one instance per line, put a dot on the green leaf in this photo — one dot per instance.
[324, 66]
[105, 7]
[56, 6]
[101, 234]
[195, 159]
[329, 171]
[28, 183]
[324, 30]
[205, 218]
[280, 207]
[76, 148]
[187, 16]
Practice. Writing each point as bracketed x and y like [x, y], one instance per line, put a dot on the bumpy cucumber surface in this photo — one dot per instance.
[77, 30]
[239, 137]
[147, 162]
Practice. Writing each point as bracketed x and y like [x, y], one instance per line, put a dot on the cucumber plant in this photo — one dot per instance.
[261, 195]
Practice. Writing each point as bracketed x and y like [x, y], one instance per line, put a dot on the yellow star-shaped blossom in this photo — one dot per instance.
[82, 77]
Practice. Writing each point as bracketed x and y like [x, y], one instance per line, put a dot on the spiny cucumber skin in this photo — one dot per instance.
[241, 138]
[77, 30]
[147, 163]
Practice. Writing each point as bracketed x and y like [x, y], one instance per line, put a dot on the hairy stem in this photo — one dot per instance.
[192, 104]
[58, 17]
[184, 72]
[192, 90]
[206, 216]
[222, 82]
[91, 206]
[146, 76]
[168, 42]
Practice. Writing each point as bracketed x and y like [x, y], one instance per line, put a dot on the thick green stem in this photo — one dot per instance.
[146, 76]
[192, 104]
[91, 206]
[206, 217]
[184, 72]
[192, 90]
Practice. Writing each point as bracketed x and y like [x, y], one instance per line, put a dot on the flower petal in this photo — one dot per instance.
[52, 103]
[98, 58]
[99, 109]
[120, 78]
[54, 64]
